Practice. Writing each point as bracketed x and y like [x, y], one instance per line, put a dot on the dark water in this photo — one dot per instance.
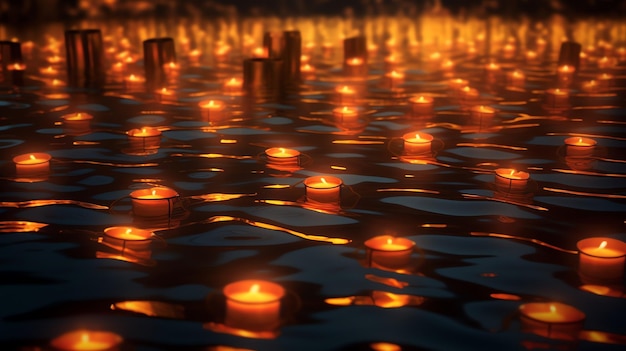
[480, 253]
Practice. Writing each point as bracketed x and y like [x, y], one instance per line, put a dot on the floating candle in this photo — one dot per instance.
[565, 76]
[492, 73]
[468, 97]
[553, 320]
[417, 143]
[29, 165]
[579, 147]
[165, 94]
[605, 82]
[49, 71]
[307, 71]
[77, 123]
[388, 251]
[153, 202]
[602, 258]
[480, 113]
[516, 79]
[346, 113]
[393, 79]
[355, 67]
[134, 83]
[87, 340]
[280, 155]
[144, 138]
[323, 189]
[346, 95]
[253, 305]
[421, 106]
[127, 238]
[212, 110]
[511, 180]
[557, 98]
[233, 86]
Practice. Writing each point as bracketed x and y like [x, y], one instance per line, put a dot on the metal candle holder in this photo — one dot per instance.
[287, 47]
[85, 58]
[156, 53]
[262, 76]
[10, 54]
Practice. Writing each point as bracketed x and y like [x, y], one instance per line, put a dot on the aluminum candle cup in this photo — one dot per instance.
[212, 110]
[481, 113]
[85, 58]
[355, 67]
[421, 106]
[153, 202]
[35, 164]
[388, 251]
[417, 143]
[565, 76]
[346, 114]
[602, 258]
[283, 156]
[156, 53]
[253, 305]
[323, 189]
[144, 138]
[87, 340]
[552, 320]
[127, 238]
[557, 98]
[510, 180]
[77, 123]
[579, 147]
[516, 79]
[345, 95]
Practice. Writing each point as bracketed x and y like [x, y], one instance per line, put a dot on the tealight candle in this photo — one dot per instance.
[165, 94]
[212, 110]
[421, 105]
[605, 82]
[253, 305]
[510, 180]
[417, 143]
[307, 71]
[565, 75]
[553, 320]
[389, 251]
[233, 86]
[531, 56]
[355, 67]
[468, 96]
[602, 258]
[194, 57]
[346, 95]
[579, 147]
[134, 83]
[77, 123]
[153, 202]
[390, 62]
[481, 113]
[49, 71]
[280, 155]
[87, 340]
[516, 79]
[492, 72]
[32, 164]
[144, 138]
[557, 98]
[127, 238]
[590, 86]
[323, 189]
[393, 79]
[346, 113]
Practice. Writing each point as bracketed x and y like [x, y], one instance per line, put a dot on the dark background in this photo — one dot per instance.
[23, 11]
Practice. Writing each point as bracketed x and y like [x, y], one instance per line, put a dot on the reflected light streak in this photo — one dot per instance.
[385, 346]
[39, 203]
[532, 240]
[387, 281]
[219, 197]
[518, 148]
[151, 308]
[335, 241]
[425, 191]
[358, 142]
[581, 193]
[602, 337]
[119, 165]
[612, 175]
[213, 156]
[20, 226]
[224, 329]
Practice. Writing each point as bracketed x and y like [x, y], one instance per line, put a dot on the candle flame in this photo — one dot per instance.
[84, 337]
[254, 289]
[580, 140]
[421, 98]
[282, 150]
[417, 136]
[153, 192]
[389, 241]
[602, 244]
[129, 230]
[143, 130]
[345, 109]
[32, 157]
[552, 308]
[324, 180]
[163, 90]
[512, 172]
